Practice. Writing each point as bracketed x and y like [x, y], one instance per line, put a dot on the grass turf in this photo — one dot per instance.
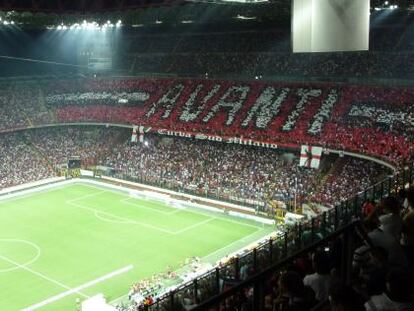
[59, 239]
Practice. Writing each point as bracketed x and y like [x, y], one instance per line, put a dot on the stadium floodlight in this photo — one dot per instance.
[85, 25]
[243, 17]
[386, 2]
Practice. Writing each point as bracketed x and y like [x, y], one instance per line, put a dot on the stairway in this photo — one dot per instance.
[42, 104]
[36, 149]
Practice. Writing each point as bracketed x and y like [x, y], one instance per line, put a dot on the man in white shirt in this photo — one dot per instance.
[391, 222]
[320, 281]
[397, 297]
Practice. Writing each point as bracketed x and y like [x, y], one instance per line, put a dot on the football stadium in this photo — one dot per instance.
[217, 155]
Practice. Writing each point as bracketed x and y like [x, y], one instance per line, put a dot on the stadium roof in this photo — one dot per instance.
[50, 13]
[88, 6]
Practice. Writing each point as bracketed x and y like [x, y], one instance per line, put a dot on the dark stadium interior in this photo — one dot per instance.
[222, 110]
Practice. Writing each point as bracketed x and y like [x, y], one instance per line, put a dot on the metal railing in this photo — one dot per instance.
[212, 288]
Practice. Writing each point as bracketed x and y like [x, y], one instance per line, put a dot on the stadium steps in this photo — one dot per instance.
[112, 144]
[36, 149]
[42, 103]
[329, 171]
[132, 67]
[22, 111]
[336, 167]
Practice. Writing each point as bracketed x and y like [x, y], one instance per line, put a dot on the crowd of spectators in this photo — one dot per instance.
[12, 115]
[268, 53]
[372, 120]
[239, 172]
[249, 172]
[40, 153]
[349, 177]
[58, 145]
[20, 163]
[351, 118]
[380, 276]
[245, 174]
[328, 66]
[383, 269]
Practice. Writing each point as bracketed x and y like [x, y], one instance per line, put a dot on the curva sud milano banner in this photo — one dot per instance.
[200, 136]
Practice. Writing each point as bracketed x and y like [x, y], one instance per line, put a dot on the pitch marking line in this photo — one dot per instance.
[37, 248]
[24, 194]
[111, 220]
[194, 210]
[39, 274]
[191, 209]
[127, 201]
[205, 258]
[86, 196]
[127, 220]
[195, 225]
[120, 218]
[243, 240]
[79, 288]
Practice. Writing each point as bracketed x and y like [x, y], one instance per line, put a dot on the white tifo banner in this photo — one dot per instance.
[134, 137]
[310, 156]
[330, 25]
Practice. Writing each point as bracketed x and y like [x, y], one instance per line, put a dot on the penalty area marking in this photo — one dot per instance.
[143, 206]
[120, 218]
[79, 288]
[108, 219]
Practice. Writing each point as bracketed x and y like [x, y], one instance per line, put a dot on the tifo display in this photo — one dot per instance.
[200, 156]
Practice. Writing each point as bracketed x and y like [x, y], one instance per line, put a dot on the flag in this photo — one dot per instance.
[310, 156]
[141, 131]
[138, 133]
[134, 134]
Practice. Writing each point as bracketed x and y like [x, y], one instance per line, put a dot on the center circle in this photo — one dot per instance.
[16, 253]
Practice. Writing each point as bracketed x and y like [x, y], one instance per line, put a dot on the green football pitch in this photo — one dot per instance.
[77, 240]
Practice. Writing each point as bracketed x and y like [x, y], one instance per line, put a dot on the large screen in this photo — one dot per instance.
[74, 163]
[330, 25]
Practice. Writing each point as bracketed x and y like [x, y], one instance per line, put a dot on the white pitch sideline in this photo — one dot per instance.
[79, 288]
